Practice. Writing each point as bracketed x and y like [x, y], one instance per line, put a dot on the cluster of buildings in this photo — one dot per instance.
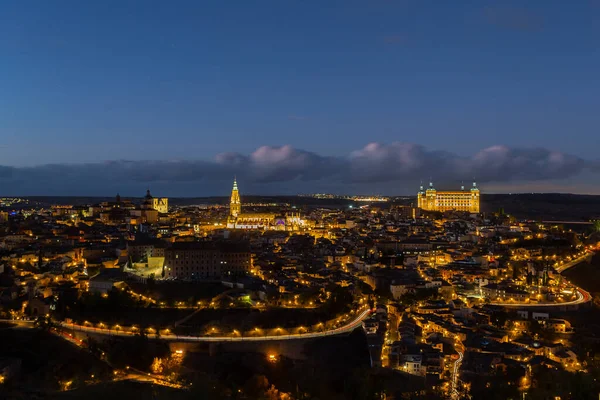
[442, 340]
[448, 280]
[290, 221]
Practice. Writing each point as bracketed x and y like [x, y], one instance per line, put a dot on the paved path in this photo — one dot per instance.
[19, 323]
[561, 268]
[355, 323]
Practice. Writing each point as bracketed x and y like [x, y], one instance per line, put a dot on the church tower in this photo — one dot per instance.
[235, 205]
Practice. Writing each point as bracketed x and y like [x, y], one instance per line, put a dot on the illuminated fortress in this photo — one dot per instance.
[463, 200]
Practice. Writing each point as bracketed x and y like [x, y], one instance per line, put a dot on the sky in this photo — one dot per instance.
[339, 96]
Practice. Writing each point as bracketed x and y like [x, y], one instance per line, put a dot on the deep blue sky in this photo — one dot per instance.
[92, 81]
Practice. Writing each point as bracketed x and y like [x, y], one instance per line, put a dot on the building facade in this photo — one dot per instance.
[161, 204]
[207, 260]
[405, 212]
[463, 200]
[125, 211]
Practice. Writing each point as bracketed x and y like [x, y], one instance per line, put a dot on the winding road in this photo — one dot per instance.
[350, 326]
[562, 268]
[457, 363]
[582, 295]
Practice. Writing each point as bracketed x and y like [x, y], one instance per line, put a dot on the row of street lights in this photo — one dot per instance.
[133, 329]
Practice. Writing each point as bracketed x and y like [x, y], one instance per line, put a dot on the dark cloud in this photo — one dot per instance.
[386, 168]
[285, 163]
[400, 161]
[594, 165]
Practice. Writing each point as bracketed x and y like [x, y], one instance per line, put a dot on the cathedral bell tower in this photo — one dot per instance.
[235, 205]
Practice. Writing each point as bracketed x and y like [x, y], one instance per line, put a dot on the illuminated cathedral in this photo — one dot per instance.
[262, 221]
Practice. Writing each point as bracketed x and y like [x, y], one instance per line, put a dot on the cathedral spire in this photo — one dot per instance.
[235, 204]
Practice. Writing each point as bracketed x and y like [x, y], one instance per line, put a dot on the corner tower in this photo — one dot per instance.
[475, 196]
[430, 197]
[421, 197]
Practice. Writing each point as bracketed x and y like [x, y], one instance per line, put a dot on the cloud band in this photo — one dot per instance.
[376, 163]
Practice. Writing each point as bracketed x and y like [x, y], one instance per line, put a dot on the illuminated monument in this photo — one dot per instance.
[235, 205]
[264, 221]
[433, 200]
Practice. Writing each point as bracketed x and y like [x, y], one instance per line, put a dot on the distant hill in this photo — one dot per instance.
[586, 275]
[547, 206]
[46, 201]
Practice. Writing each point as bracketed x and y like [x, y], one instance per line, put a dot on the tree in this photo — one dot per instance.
[256, 386]
[138, 351]
[362, 384]
[499, 318]
[157, 366]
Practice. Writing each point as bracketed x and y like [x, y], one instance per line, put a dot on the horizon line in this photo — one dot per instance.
[289, 195]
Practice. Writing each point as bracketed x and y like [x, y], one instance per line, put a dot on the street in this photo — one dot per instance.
[113, 332]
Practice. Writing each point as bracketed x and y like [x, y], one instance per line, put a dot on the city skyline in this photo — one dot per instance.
[289, 200]
[96, 97]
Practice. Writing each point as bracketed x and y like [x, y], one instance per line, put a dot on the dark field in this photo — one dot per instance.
[586, 275]
[122, 390]
[246, 320]
[6, 325]
[46, 360]
[545, 206]
[170, 292]
[143, 317]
